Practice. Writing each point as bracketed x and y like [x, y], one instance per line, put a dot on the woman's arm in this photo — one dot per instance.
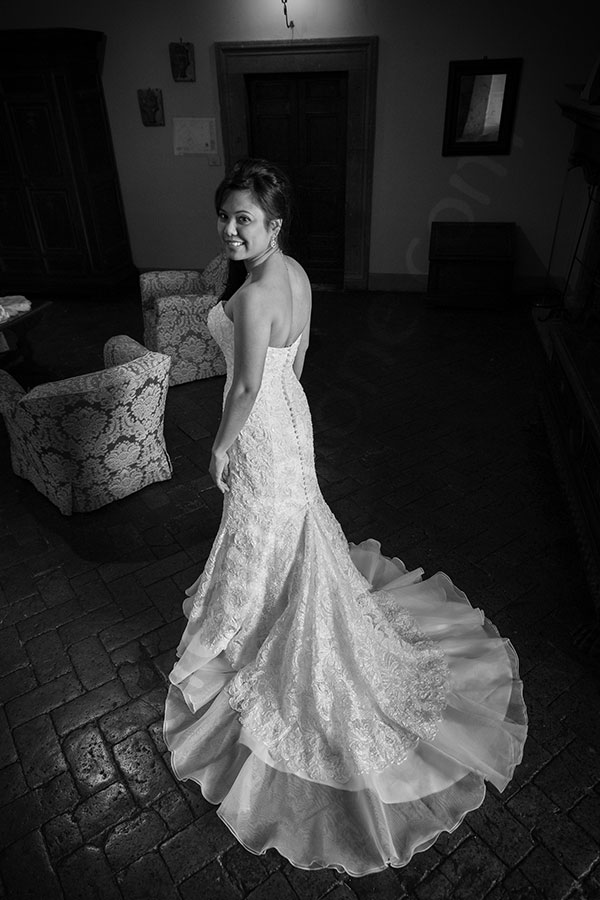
[304, 290]
[252, 334]
[302, 348]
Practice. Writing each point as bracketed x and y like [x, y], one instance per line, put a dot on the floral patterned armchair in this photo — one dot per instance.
[175, 307]
[88, 440]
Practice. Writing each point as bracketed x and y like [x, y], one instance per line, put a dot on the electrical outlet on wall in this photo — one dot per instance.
[214, 160]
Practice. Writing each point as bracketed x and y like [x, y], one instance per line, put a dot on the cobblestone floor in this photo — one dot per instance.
[428, 438]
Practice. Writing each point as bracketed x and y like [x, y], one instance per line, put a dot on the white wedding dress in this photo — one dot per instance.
[335, 706]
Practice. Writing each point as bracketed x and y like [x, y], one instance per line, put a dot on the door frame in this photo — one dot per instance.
[356, 56]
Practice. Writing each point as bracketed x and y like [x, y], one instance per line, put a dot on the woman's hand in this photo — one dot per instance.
[219, 470]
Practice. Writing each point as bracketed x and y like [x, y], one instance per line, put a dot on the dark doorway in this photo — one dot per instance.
[299, 122]
[353, 58]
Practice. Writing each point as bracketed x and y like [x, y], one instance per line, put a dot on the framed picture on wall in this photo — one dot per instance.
[183, 63]
[151, 106]
[480, 106]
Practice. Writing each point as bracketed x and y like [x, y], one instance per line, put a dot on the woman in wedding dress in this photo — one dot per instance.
[334, 706]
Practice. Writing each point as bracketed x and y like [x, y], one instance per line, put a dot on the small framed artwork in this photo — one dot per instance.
[183, 64]
[480, 106]
[151, 106]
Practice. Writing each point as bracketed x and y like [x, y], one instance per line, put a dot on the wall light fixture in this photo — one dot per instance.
[288, 23]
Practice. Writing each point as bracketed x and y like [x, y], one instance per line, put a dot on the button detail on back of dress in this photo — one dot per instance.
[335, 706]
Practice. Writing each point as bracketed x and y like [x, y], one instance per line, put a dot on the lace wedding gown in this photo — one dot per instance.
[336, 706]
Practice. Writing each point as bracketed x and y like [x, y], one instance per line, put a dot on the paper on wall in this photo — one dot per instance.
[192, 135]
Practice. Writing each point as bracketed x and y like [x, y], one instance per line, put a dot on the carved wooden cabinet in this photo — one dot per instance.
[571, 389]
[62, 225]
[570, 402]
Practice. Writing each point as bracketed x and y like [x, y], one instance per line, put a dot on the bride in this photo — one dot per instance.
[334, 706]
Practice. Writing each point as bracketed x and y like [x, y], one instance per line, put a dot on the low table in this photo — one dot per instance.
[19, 327]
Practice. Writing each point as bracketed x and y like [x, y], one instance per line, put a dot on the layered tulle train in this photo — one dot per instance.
[366, 725]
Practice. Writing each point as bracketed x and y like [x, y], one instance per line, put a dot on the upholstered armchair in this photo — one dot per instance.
[86, 441]
[175, 307]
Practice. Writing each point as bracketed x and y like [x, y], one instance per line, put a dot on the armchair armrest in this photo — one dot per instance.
[10, 392]
[77, 384]
[122, 349]
[213, 279]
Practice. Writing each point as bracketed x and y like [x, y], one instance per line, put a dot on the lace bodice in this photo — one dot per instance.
[272, 461]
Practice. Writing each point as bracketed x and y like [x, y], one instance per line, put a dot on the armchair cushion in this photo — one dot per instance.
[94, 438]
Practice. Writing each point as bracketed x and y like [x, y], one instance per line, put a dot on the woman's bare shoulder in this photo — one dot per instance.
[294, 266]
[252, 302]
[299, 280]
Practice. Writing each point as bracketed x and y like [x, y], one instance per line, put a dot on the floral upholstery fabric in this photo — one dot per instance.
[184, 336]
[86, 441]
[175, 306]
[214, 275]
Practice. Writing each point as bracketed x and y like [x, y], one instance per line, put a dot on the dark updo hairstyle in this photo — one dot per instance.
[270, 188]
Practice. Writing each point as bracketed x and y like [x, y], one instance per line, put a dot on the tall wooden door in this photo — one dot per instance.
[299, 122]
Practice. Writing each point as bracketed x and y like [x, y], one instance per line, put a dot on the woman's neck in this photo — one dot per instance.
[252, 264]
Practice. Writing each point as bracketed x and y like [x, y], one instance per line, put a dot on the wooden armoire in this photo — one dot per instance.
[62, 226]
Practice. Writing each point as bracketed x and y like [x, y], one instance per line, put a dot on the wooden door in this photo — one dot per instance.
[299, 122]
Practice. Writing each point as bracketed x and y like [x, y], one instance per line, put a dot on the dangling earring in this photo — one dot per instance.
[273, 243]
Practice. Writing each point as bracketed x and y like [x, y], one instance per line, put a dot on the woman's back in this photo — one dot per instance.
[271, 461]
[281, 290]
[292, 306]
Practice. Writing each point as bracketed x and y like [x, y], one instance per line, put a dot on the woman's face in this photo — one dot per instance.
[243, 227]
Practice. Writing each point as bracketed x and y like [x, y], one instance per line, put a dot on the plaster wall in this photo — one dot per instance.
[168, 198]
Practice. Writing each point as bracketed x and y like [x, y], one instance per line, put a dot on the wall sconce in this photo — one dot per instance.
[288, 24]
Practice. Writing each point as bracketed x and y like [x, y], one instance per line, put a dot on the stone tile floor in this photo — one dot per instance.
[428, 437]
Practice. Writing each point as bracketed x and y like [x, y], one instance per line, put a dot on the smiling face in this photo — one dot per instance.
[243, 227]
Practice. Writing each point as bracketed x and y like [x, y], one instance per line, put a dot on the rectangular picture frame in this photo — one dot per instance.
[481, 103]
